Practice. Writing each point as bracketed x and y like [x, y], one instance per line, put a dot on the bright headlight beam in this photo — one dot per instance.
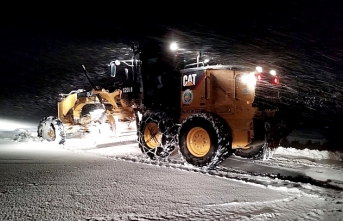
[174, 46]
[259, 69]
[273, 72]
[249, 79]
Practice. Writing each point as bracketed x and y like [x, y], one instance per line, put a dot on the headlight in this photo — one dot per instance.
[174, 46]
[249, 79]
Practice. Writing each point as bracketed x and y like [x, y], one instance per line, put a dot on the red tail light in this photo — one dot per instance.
[275, 80]
[259, 77]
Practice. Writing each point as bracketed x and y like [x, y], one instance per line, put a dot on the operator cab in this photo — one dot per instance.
[123, 78]
[153, 69]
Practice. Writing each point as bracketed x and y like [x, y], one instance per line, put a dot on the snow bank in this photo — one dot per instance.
[313, 154]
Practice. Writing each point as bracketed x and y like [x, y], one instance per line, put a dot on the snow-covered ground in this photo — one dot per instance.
[109, 179]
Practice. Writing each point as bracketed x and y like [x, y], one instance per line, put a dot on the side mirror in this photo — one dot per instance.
[113, 69]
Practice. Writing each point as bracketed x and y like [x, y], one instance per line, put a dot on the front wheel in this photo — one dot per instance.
[157, 135]
[205, 140]
[51, 129]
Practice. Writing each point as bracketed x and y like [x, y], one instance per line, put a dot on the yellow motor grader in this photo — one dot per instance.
[205, 111]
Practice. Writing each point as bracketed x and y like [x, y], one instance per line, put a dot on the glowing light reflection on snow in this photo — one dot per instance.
[9, 125]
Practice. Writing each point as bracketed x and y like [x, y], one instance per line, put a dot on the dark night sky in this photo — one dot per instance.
[271, 24]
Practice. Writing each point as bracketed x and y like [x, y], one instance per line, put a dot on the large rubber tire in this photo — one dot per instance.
[205, 140]
[254, 152]
[274, 130]
[157, 135]
[51, 129]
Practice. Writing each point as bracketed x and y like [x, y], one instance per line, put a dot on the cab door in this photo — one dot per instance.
[219, 91]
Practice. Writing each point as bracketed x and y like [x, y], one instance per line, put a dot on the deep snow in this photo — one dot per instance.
[111, 180]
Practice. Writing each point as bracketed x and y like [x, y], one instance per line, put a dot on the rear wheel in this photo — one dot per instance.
[273, 130]
[205, 140]
[254, 152]
[51, 129]
[157, 135]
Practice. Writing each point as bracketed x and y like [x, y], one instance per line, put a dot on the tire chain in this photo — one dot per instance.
[223, 135]
[169, 132]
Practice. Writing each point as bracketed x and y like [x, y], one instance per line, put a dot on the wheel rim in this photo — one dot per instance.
[152, 135]
[51, 134]
[198, 142]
